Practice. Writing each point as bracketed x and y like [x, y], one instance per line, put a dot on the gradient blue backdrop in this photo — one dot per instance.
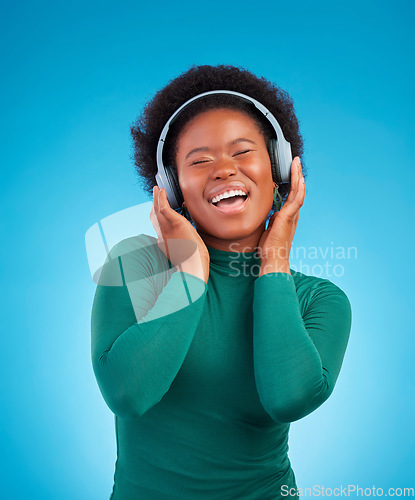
[75, 75]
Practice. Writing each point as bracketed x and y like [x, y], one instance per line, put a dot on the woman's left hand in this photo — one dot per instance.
[275, 244]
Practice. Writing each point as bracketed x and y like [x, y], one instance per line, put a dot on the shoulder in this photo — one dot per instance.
[313, 291]
[131, 245]
[131, 259]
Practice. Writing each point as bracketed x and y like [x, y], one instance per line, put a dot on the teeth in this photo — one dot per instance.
[228, 194]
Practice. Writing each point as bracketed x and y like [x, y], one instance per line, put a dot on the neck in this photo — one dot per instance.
[241, 244]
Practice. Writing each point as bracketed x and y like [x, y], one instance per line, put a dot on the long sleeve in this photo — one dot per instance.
[141, 330]
[297, 353]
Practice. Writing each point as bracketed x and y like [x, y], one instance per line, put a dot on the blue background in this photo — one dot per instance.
[75, 75]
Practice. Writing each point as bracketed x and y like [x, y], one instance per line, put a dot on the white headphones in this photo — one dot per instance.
[279, 150]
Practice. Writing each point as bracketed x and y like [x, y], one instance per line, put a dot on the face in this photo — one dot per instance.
[225, 176]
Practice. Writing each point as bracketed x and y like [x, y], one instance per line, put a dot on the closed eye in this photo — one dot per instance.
[199, 161]
[242, 152]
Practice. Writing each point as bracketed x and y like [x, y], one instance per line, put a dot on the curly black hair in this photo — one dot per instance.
[146, 129]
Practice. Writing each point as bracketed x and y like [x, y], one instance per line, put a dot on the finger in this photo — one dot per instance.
[153, 214]
[295, 204]
[158, 215]
[300, 195]
[169, 217]
[298, 191]
[290, 209]
[300, 171]
[160, 200]
[164, 202]
[156, 226]
[165, 209]
[156, 199]
[295, 167]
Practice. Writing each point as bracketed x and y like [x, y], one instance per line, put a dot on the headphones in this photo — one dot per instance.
[279, 151]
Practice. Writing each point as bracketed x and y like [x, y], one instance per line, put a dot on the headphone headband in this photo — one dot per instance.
[283, 147]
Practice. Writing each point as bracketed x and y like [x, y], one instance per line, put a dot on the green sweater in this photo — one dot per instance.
[204, 379]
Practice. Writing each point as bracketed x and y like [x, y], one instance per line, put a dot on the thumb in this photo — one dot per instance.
[156, 225]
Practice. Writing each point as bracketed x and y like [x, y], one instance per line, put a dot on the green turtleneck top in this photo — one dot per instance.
[204, 379]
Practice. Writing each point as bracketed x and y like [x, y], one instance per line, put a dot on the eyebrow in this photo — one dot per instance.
[205, 148]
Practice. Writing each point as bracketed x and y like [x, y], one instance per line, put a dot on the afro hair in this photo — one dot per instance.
[147, 128]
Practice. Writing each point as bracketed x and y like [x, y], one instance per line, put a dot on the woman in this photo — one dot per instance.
[211, 345]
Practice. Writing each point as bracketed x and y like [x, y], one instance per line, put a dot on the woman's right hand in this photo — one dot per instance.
[177, 238]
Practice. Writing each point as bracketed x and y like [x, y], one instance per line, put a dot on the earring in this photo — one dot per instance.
[185, 212]
[278, 202]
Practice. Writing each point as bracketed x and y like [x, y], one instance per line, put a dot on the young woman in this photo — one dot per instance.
[211, 345]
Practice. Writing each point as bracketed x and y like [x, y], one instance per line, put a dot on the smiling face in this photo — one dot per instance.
[225, 176]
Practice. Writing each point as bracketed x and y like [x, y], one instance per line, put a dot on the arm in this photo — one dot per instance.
[297, 359]
[140, 339]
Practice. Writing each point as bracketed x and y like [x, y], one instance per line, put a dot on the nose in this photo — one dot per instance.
[223, 168]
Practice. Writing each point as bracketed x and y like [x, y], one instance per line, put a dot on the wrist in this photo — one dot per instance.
[194, 265]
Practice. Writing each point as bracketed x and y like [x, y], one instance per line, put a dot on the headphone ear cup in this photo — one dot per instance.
[175, 186]
[273, 155]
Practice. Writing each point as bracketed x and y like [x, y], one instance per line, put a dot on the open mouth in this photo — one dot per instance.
[231, 203]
